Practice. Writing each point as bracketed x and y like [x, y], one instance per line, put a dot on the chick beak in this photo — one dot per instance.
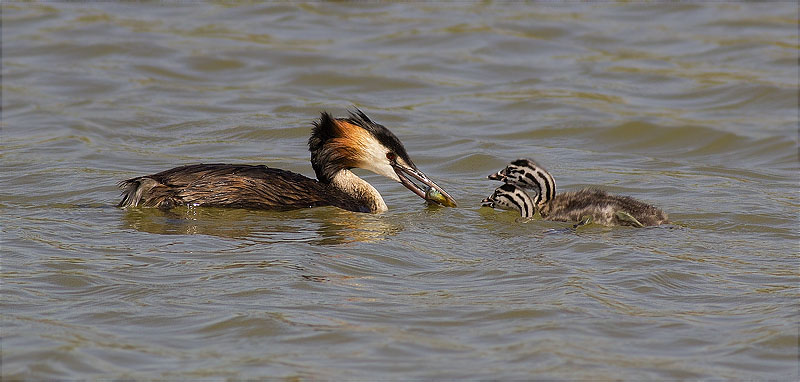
[497, 176]
[440, 196]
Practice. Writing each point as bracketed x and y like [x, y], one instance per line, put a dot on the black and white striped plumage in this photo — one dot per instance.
[528, 174]
[589, 204]
[511, 197]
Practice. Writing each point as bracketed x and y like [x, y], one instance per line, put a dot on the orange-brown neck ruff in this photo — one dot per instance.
[345, 143]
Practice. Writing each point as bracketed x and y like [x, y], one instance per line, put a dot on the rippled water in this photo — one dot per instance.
[693, 108]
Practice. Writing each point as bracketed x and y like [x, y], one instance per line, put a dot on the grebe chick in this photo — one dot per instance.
[584, 206]
[337, 145]
[511, 197]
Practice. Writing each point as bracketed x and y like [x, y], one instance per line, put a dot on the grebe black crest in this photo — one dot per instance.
[337, 145]
[584, 206]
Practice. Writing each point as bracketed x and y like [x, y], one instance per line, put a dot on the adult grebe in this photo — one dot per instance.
[336, 144]
[585, 206]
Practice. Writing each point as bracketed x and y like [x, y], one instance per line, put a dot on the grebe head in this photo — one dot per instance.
[511, 197]
[526, 173]
[338, 144]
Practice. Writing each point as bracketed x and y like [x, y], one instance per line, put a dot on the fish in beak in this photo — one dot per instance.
[431, 192]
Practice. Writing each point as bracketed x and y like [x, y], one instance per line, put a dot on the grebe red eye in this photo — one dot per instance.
[391, 156]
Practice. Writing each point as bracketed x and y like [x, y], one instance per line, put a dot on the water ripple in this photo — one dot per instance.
[691, 107]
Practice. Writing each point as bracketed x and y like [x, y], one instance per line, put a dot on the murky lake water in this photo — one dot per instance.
[691, 108]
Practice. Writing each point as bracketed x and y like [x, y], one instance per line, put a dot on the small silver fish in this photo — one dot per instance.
[433, 195]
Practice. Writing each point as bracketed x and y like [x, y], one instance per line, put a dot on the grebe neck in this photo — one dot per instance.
[545, 183]
[349, 183]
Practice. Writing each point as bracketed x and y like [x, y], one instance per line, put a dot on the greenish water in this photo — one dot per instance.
[693, 108]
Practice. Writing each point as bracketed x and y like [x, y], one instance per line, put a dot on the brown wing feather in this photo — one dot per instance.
[226, 185]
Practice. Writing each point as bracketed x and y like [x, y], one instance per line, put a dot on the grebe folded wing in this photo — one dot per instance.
[231, 185]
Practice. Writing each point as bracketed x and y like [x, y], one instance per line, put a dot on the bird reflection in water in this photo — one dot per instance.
[324, 225]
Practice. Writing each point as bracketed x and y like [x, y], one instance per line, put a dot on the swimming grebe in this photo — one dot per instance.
[584, 206]
[336, 144]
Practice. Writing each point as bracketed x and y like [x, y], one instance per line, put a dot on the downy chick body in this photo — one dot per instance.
[584, 206]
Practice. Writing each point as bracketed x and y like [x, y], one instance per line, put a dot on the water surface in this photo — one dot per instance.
[689, 107]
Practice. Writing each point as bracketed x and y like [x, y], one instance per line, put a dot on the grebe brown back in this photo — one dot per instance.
[337, 145]
[584, 206]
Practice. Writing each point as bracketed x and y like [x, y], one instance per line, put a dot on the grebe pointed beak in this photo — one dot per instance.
[487, 202]
[440, 196]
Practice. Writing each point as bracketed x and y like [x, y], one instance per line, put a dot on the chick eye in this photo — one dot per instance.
[390, 156]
